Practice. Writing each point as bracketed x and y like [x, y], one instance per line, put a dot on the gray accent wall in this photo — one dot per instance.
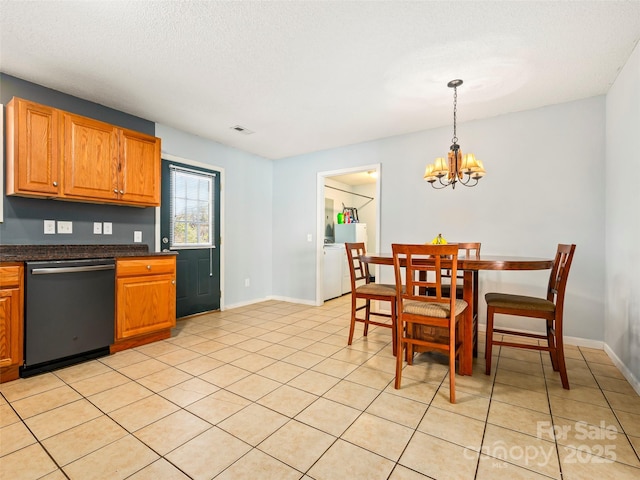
[24, 217]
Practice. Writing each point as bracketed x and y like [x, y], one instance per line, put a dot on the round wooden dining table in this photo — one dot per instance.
[470, 266]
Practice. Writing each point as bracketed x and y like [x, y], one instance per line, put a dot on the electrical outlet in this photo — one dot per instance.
[107, 228]
[49, 227]
[247, 282]
[137, 236]
[65, 227]
[97, 228]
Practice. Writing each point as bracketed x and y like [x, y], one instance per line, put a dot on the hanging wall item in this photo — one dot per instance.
[350, 213]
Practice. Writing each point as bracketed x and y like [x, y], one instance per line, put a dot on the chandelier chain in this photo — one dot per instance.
[455, 111]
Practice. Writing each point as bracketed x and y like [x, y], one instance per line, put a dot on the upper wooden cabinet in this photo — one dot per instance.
[89, 160]
[32, 149]
[139, 169]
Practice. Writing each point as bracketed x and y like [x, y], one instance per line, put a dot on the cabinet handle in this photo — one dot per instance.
[115, 190]
[55, 184]
[121, 192]
[173, 282]
[148, 267]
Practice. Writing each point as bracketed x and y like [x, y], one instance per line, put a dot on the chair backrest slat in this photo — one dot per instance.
[470, 249]
[420, 261]
[560, 274]
[358, 269]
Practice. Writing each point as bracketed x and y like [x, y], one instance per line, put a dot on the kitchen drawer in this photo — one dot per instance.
[145, 266]
[10, 276]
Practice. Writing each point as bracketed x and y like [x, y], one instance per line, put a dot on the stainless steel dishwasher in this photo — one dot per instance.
[69, 312]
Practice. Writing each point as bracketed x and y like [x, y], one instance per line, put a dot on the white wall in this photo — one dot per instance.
[248, 213]
[622, 309]
[556, 150]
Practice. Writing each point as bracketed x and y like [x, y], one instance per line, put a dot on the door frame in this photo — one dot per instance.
[320, 219]
[206, 166]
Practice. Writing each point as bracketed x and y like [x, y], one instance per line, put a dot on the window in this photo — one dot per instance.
[191, 208]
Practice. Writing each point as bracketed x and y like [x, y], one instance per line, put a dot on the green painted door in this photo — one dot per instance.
[190, 225]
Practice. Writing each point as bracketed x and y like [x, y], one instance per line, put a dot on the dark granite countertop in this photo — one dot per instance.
[26, 253]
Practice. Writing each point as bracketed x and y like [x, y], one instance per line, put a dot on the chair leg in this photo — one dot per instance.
[458, 329]
[489, 341]
[410, 333]
[353, 319]
[460, 335]
[394, 329]
[452, 372]
[367, 311]
[553, 347]
[560, 356]
[399, 347]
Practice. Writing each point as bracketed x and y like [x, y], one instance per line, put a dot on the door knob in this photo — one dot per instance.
[165, 240]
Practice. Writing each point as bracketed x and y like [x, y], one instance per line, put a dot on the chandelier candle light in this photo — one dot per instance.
[458, 168]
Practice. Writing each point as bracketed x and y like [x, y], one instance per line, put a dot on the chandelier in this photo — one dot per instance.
[457, 168]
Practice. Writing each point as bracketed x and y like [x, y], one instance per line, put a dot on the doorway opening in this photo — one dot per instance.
[357, 190]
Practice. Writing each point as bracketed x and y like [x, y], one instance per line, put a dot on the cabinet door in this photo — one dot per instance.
[90, 159]
[32, 149]
[10, 327]
[145, 304]
[139, 180]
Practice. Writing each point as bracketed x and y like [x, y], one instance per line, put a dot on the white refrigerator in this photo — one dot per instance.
[351, 233]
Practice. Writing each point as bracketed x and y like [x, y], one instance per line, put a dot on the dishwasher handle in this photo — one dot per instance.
[87, 268]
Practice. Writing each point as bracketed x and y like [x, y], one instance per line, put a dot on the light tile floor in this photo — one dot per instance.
[272, 391]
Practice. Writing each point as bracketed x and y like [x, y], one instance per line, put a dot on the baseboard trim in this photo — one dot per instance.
[575, 341]
[628, 374]
[271, 297]
[311, 303]
[246, 303]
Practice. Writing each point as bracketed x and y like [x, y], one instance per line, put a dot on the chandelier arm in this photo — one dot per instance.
[469, 178]
[444, 185]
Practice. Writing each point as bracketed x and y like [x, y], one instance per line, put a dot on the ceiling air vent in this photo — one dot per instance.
[241, 129]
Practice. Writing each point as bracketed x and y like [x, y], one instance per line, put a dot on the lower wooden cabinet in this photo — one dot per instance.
[11, 321]
[145, 300]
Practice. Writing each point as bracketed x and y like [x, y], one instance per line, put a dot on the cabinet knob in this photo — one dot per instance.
[115, 190]
[121, 192]
[173, 282]
[148, 267]
[55, 184]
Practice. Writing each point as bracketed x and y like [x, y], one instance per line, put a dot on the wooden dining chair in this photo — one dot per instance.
[468, 249]
[550, 309]
[419, 312]
[363, 289]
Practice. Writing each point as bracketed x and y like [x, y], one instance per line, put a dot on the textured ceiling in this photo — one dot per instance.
[311, 75]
